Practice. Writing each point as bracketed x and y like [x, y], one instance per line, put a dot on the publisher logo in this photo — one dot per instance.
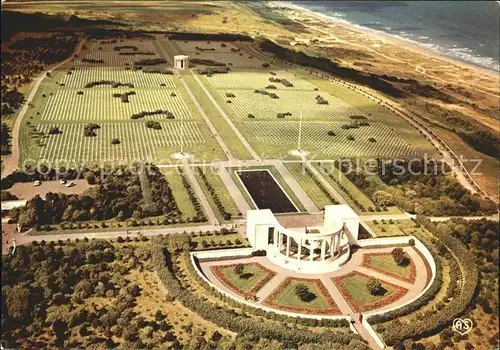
[462, 326]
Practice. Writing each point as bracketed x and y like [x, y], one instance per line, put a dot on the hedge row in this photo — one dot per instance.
[397, 332]
[214, 195]
[240, 322]
[321, 187]
[192, 196]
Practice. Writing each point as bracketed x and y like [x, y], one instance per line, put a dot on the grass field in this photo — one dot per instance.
[387, 263]
[104, 50]
[310, 187]
[60, 105]
[180, 194]
[275, 137]
[250, 277]
[81, 76]
[388, 228]
[356, 287]
[220, 189]
[287, 297]
[224, 130]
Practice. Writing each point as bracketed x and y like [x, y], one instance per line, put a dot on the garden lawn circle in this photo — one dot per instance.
[256, 277]
[353, 288]
[384, 263]
[284, 298]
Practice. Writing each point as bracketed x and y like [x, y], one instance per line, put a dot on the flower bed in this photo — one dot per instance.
[217, 271]
[332, 309]
[411, 266]
[398, 293]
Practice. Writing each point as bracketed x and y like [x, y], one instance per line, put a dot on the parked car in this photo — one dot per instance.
[37, 183]
[70, 184]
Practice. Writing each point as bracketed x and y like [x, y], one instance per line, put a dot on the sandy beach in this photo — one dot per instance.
[298, 12]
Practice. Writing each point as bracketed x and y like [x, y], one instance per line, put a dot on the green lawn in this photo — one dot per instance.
[287, 297]
[388, 228]
[387, 263]
[377, 113]
[356, 287]
[222, 192]
[180, 194]
[350, 192]
[250, 277]
[310, 187]
[223, 128]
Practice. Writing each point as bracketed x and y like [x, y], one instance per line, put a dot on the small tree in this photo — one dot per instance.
[374, 286]
[239, 269]
[399, 256]
[302, 291]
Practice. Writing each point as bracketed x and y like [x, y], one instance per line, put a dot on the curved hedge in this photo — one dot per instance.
[398, 332]
[240, 322]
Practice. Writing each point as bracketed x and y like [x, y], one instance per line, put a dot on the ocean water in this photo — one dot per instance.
[463, 30]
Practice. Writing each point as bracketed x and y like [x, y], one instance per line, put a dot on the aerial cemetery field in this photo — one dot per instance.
[264, 101]
[114, 110]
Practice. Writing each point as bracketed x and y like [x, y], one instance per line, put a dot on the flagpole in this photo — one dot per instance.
[300, 129]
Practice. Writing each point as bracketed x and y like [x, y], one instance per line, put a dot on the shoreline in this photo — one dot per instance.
[389, 39]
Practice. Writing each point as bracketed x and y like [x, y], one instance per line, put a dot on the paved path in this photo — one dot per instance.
[11, 163]
[298, 191]
[201, 195]
[325, 182]
[224, 115]
[24, 239]
[233, 190]
[207, 120]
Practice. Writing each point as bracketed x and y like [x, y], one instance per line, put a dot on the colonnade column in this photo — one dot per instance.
[323, 249]
[276, 239]
[287, 247]
[332, 245]
[311, 250]
[299, 251]
[280, 240]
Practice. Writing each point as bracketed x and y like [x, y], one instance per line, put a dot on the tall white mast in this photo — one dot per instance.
[300, 129]
[182, 136]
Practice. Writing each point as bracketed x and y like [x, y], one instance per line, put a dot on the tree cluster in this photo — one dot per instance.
[90, 129]
[114, 84]
[93, 60]
[214, 195]
[420, 187]
[4, 139]
[48, 289]
[207, 62]
[125, 47]
[200, 214]
[140, 115]
[283, 81]
[122, 194]
[266, 93]
[354, 125]
[213, 70]
[320, 100]
[124, 96]
[150, 62]
[152, 124]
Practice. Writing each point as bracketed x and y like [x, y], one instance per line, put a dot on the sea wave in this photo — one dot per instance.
[463, 54]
